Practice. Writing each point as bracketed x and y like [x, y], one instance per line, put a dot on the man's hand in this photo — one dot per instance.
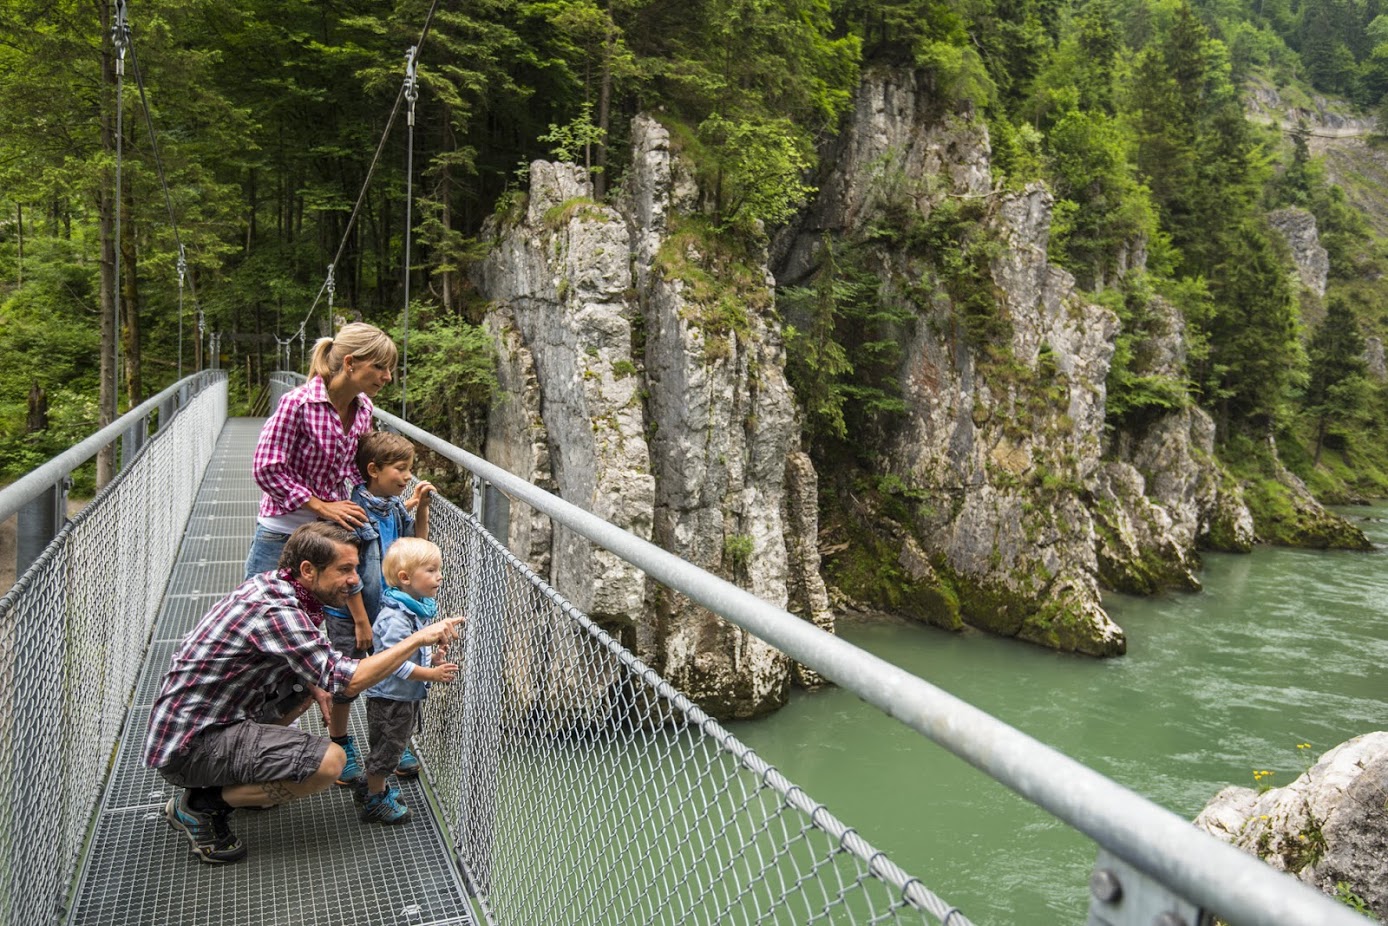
[442, 633]
[348, 514]
[325, 702]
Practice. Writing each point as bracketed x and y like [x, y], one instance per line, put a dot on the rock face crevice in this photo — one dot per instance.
[626, 392]
[1298, 227]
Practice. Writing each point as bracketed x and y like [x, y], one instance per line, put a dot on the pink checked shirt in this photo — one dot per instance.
[303, 453]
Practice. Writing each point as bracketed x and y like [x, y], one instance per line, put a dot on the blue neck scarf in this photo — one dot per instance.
[420, 607]
[380, 505]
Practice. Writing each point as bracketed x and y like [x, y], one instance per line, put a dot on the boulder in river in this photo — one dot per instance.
[1329, 827]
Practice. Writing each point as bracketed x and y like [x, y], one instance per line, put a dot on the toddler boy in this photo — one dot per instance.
[413, 572]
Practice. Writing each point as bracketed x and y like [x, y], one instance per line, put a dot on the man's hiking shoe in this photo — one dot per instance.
[352, 770]
[212, 840]
[409, 764]
[385, 807]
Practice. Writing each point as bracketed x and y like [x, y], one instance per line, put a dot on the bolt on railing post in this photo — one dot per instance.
[1120, 895]
[39, 522]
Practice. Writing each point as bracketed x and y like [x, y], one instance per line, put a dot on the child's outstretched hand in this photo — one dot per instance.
[421, 496]
[444, 673]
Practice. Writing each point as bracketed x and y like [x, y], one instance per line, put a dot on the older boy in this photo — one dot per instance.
[384, 461]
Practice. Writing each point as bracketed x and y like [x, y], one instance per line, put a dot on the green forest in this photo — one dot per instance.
[266, 118]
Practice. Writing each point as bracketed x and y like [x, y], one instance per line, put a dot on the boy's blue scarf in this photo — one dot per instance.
[421, 607]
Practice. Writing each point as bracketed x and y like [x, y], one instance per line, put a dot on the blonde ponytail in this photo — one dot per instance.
[319, 364]
[360, 340]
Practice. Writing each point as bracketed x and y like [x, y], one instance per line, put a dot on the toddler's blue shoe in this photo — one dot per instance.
[385, 807]
[409, 764]
[352, 770]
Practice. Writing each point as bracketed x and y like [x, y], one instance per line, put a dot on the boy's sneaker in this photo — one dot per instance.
[212, 840]
[409, 764]
[352, 770]
[360, 790]
[385, 807]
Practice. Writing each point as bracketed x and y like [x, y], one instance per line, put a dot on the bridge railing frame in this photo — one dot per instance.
[40, 497]
[1153, 866]
[75, 625]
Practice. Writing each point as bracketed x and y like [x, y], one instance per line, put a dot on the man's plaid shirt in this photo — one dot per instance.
[303, 453]
[261, 638]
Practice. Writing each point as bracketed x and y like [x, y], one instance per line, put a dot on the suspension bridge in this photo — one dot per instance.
[564, 781]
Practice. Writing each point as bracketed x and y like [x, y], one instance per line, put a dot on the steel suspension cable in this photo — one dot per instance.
[120, 37]
[370, 173]
[411, 94]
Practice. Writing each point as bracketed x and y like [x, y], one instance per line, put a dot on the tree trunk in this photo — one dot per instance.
[106, 206]
[37, 419]
[604, 114]
[130, 300]
[446, 207]
[250, 210]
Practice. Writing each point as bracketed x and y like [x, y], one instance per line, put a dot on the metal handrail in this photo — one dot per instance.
[40, 496]
[33, 484]
[1152, 840]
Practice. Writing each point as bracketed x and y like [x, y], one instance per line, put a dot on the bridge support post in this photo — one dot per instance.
[39, 522]
[1120, 895]
[133, 440]
[166, 412]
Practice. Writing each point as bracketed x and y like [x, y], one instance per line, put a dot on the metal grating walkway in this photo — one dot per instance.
[311, 862]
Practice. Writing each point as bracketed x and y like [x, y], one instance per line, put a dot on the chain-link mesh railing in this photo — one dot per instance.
[73, 631]
[580, 787]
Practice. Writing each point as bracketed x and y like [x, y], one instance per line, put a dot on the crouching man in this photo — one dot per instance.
[219, 728]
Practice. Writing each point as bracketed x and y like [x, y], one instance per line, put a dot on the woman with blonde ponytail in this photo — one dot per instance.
[305, 465]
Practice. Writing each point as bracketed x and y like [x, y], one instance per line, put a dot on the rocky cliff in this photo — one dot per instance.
[1019, 505]
[643, 372]
[642, 378]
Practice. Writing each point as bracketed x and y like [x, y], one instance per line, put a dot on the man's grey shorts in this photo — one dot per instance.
[246, 753]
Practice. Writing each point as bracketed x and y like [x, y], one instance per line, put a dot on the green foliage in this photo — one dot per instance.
[1345, 894]
[844, 347]
[1337, 393]
[956, 242]
[1102, 210]
[452, 374]
[756, 169]
[737, 552]
[575, 140]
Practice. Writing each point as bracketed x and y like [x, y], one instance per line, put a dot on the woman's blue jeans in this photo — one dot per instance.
[264, 554]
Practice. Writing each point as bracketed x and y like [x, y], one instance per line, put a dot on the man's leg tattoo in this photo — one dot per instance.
[277, 792]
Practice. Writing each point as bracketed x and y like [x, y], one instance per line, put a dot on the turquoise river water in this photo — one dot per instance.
[1282, 647]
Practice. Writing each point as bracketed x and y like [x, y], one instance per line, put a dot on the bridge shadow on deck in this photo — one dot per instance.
[311, 862]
